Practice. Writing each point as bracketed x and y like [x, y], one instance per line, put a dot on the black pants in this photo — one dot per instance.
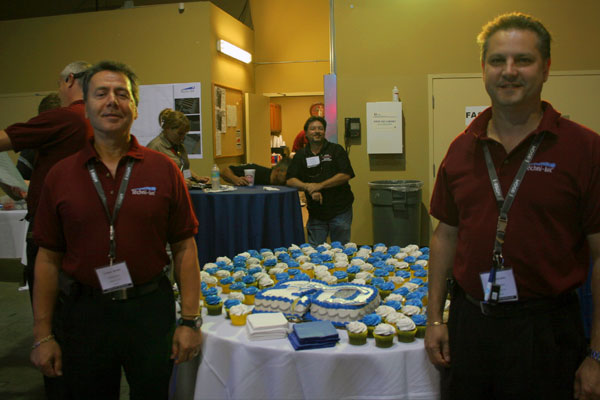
[528, 356]
[99, 336]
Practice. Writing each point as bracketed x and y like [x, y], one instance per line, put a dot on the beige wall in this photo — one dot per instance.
[294, 113]
[381, 44]
[291, 30]
[159, 43]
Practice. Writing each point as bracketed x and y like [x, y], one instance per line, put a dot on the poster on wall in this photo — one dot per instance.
[184, 97]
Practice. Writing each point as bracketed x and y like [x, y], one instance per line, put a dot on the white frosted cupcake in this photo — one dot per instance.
[406, 329]
[238, 314]
[227, 260]
[367, 276]
[398, 281]
[367, 267]
[209, 265]
[384, 335]
[265, 282]
[357, 261]
[302, 259]
[236, 295]
[357, 333]
[220, 274]
[384, 311]
[211, 281]
[330, 280]
[238, 275]
[252, 261]
[359, 281]
[320, 268]
[410, 310]
[410, 286]
[395, 297]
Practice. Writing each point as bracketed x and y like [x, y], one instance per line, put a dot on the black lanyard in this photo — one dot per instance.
[505, 204]
[119, 201]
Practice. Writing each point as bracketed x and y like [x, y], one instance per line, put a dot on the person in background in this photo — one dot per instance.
[54, 135]
[175, 126]
[106, 243]
[322, 170]
[26, 159]
[300, 141]
[263, 176]
[516, 240]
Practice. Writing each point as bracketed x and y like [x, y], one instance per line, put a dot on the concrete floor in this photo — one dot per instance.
[19, 379]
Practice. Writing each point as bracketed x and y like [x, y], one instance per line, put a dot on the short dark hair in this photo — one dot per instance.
[114, 67]
[50, 102]
[312, 119]
[519, 21]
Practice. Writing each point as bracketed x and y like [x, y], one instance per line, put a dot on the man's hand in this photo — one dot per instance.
[313, 187]
[587, 380]
[317, 196]
[186, 344]
[201, 179]
[47, 357]
[437, 345]
[240, 181]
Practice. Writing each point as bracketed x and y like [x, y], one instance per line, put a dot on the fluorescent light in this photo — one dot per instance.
[233, 51]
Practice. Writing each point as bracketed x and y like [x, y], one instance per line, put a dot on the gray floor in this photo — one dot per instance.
[19, 379]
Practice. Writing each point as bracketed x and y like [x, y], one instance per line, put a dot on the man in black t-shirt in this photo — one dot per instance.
[322, 169]
[263, 175]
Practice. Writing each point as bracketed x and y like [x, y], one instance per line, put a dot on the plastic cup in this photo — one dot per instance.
[249, 173]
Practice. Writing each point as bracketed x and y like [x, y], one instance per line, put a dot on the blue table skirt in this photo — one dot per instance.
[247, 218]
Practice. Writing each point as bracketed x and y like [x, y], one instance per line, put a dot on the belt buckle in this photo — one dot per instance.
[120, 294]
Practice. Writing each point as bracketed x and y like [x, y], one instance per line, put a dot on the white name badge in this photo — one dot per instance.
[187, 174]
[506, 280]
[114, 277]
[312, 161]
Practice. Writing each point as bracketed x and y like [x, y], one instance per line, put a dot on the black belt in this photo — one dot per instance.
[520, 308]
[121, 294]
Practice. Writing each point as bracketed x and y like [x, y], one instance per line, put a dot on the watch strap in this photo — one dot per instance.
[594, 355]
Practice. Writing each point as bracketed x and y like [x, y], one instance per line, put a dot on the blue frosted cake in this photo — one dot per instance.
[299, 299]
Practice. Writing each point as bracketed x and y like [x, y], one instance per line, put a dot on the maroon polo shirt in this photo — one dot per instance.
[556, 207]
[55, 134]
[156, 210]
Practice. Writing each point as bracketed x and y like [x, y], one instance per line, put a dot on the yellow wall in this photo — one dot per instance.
[291, 30]
[295, 111]
[381, 44]
[159, 43]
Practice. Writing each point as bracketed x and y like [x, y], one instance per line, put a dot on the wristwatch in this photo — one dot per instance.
[195, 323]
[594, 355]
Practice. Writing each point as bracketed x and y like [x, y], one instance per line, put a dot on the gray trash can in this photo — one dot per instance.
[396, 212]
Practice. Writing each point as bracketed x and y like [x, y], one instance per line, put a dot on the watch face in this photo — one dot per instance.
[317, 110]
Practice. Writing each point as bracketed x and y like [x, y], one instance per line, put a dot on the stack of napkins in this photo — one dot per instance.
[264, 326]
[313, 335]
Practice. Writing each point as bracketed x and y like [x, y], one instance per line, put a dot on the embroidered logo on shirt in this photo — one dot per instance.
[326, 157]
[148, 190]
[547, 167]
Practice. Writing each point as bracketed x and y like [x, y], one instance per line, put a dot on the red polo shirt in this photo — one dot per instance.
[55, 134]
[156, 210]
[556, 207]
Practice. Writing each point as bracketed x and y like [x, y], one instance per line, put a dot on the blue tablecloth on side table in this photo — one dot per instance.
[246, 218]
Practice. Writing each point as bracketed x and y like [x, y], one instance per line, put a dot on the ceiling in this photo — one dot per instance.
[11, 9]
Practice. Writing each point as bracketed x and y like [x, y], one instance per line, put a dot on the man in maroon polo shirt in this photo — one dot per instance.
[55, 134]
[106, 214]
[517, 197]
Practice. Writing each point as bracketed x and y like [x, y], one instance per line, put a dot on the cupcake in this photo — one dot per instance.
[352, 271]
[406, 329]
[265, 282]
[211, 281]
[384, 311]
[420, 321]
[238, 314]
[237, 286]
[371, 320]
[237, 295]
[225, 284]
[341, 276]
[214, 304]
[227, 304]
[385, 289]
[249, 280]
[249, 294]
[384, 335]
[357, 333]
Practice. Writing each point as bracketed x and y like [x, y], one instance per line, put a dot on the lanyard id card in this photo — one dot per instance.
[312, 161]
[114, 277]
[187, 174]
[505, 281]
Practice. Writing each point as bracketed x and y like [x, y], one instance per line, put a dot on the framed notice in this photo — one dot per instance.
[228, 121]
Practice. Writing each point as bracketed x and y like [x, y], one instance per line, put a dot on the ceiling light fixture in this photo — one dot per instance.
[233, 51]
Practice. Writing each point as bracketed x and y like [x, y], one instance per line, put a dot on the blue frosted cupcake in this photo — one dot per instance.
[420, 321]
[214, 305]
[371, 321]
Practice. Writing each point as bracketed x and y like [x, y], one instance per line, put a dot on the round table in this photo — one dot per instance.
[233, 367]
[232, 222]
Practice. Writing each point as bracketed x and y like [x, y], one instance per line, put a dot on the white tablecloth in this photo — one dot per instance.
[233, 367]
[13, 228]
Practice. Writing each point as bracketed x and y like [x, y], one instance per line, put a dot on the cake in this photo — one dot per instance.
[299, 299]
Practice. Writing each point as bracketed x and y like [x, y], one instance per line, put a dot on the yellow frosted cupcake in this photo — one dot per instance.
[384, 335]
[238, 314]
[357, 333]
